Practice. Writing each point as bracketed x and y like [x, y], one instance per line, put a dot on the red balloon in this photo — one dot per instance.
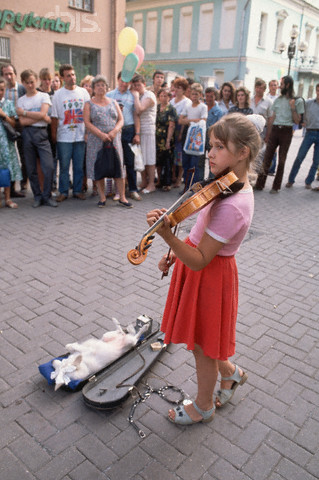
[139, 52]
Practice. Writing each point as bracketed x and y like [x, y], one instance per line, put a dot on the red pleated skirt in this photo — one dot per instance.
[201, 307]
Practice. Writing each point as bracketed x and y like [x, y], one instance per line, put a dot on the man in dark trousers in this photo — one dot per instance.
[286, 110]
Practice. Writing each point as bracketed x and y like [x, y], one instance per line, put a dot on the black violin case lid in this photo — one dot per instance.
[112, 386]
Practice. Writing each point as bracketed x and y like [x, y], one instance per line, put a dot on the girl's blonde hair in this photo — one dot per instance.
[240, 131]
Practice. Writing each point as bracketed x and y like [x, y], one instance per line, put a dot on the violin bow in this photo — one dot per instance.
[192, 172]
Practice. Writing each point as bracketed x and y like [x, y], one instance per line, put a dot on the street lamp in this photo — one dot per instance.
[292, 46]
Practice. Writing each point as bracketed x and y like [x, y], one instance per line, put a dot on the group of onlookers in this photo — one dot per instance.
[61, 123]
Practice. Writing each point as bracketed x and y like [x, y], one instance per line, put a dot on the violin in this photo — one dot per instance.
[192, 201]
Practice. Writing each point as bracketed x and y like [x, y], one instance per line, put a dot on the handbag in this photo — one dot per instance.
[195, 139]
[5, 178]
[107, 163]
[11, 133]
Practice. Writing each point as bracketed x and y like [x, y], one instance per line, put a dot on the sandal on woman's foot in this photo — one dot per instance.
[182, 417]
[224, 395]
[11, 204]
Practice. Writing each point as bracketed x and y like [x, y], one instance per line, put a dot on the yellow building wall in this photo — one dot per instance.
[34, 48]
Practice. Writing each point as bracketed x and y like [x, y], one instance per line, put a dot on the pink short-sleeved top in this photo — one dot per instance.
[226, 220]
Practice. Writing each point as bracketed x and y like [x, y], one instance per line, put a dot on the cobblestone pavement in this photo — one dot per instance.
[64, 274]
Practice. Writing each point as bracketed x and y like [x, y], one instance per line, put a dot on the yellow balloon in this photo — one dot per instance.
[127, 40]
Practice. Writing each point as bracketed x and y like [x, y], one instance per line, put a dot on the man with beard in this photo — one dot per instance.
[286, 111]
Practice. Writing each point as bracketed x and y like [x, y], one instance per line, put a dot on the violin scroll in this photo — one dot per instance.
[137, 255]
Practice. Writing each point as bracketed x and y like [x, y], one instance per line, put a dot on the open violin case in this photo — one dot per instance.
[109, 387]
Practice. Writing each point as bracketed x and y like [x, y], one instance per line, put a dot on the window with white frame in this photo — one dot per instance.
[189, 74]
[281, 17]
[151, 32]
[166, 31]
[309, 29]
[262, 30]
[205, 26]
[228, 24]
[5, 49]
[82, 4]
[138, 26]
[185, 29]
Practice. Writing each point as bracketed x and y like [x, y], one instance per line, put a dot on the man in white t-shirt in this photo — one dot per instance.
[68, 132]
[32, 109]
[273, 86]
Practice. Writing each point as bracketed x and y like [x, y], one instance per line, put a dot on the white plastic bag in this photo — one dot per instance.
[138, 160]
[195, 139]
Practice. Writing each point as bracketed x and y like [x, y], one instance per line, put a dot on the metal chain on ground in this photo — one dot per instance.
[148, 392]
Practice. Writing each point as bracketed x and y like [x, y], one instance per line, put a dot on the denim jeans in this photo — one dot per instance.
[67, 151]
[190, 161]
[311, 137]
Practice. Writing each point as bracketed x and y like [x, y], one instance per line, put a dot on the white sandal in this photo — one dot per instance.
[225, 395]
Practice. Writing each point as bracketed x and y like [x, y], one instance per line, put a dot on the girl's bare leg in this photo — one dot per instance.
[207, 371]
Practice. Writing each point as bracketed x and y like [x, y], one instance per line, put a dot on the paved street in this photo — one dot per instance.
[64, 275]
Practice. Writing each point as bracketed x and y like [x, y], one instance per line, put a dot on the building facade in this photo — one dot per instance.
[84, 33]
[229, 40]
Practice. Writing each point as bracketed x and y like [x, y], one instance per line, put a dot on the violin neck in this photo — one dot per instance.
[194, 188]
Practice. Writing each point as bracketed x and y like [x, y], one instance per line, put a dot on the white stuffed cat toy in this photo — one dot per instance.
[93, 355]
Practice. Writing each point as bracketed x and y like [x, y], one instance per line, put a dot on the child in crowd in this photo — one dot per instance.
[193, 113]
[202, 302]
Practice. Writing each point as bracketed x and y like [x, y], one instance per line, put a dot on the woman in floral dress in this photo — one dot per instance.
[8, 154]
[166, 119]
[103, 120]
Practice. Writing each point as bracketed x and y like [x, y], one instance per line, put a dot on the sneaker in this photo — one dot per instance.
[50, 203]
[79, 196]
[116, 197]
[289, 184]
[101, 204]
[125, 204]
[135, 196]
[37, 203]
[273, 191]
[61, 197]
[308, 186]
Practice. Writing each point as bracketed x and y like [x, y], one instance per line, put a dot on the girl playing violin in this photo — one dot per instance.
[202, 302]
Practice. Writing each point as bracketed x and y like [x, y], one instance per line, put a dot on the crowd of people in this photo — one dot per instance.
[61, 124]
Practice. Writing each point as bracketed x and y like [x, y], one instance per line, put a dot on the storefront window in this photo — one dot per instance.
[82, 4]
[84, 60]
[4, 49]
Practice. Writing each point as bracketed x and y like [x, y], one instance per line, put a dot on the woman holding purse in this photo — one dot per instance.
[103, 120]
[8, 155]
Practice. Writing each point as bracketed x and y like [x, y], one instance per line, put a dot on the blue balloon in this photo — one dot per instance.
[129, 67]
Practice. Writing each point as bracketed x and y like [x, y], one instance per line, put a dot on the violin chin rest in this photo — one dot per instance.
[234, 187]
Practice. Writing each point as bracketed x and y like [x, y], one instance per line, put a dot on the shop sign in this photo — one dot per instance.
[21, 21]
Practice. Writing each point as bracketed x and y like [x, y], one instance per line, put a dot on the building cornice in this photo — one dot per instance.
[145, 5]
[194, 60]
